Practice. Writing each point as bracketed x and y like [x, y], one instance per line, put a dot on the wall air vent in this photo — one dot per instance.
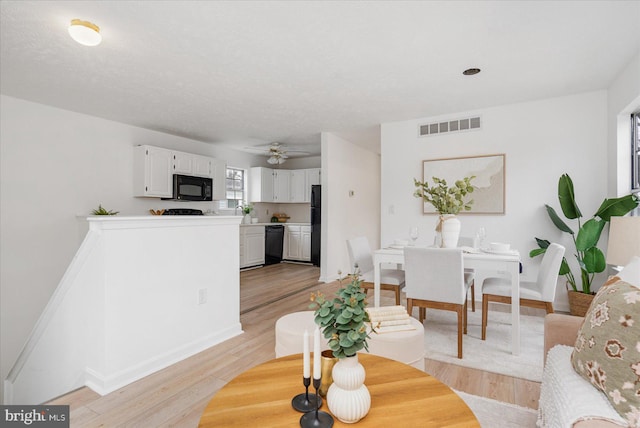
[447, 127]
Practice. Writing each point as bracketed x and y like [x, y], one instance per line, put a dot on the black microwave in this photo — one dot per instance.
[189, 188]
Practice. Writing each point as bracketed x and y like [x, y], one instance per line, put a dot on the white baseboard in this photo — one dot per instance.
[107, 383]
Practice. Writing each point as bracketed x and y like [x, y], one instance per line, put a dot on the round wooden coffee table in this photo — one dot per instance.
[400, 396]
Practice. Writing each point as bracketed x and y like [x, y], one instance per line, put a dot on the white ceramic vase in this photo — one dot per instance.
[450, 231]
[247, 219]
[348, 398]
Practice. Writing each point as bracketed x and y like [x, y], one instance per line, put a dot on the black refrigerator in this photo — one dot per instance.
[316, 208]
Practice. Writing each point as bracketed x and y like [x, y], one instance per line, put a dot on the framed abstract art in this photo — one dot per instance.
[489, 185]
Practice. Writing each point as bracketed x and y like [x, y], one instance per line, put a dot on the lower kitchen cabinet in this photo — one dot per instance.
[251, 246]
[297, 243]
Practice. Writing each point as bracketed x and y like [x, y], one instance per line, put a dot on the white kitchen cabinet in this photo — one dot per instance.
[261, 185]
[305, 247]
[154, 168]
[219, 177]
[190, 164]
[297, 243]
[281, 185]
[153, 172]
[201, 166]
[298, 186]
[293, 241]
[182, 163]
[251, 246]
[312, 177]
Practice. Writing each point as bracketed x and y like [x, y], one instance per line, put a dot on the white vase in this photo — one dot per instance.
[450, 231]
[247, 219]
[348, 398]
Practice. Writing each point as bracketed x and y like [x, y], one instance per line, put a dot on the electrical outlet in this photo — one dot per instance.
[202, 296]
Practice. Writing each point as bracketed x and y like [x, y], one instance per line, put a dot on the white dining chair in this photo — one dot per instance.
[435, 279]
[469, 274]
[534, 294]
[360, 256]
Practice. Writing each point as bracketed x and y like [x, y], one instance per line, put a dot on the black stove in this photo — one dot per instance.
[182, 211]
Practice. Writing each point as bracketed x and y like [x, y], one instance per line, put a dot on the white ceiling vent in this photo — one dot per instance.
[446, 127]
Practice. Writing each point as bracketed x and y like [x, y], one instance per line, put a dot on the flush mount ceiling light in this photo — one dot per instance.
[471, 71]
[85, 32]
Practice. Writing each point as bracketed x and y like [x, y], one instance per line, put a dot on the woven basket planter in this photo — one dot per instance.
[579, 302]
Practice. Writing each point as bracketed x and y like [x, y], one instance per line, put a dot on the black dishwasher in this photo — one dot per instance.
[274, 237]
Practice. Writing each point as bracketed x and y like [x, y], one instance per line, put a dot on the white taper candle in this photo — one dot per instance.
[316, 354]
[306, 358]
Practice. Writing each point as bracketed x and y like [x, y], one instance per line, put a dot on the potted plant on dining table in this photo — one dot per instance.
[342, 321]
[448, 201]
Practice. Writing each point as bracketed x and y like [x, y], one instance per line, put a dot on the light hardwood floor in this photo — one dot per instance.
[177, 395]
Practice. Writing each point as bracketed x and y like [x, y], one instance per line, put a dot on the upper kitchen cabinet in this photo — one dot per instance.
[281, 185]
[154, 168]
[152, 174]
[298, 187]
[261, 185]
[301, 182]
[312, 177]
[189, 164]
[268, 185]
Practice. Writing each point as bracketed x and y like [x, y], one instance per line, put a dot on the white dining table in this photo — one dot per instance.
[506, 263]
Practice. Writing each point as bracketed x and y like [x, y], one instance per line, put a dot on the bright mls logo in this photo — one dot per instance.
[35, 416]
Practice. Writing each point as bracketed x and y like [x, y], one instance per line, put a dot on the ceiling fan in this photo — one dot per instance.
[278, 153]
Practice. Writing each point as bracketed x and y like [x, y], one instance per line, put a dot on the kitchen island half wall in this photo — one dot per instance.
[142, 293]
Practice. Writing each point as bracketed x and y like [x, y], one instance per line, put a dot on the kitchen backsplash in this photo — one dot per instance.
[298, 213]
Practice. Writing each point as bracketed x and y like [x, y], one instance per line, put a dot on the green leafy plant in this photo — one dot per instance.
[342, 319]
[102, 211]
[246, 208]
[590, 258]
[445, 199]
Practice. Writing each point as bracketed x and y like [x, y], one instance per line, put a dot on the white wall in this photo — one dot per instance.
[56, 165]
[127, 307]
[623, 99]
[347, 167]
[541, 140]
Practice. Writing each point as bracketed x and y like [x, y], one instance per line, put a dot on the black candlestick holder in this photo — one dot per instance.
[307, 402]
[316, 419]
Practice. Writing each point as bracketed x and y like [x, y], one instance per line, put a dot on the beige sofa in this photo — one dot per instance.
[567, 400]
[588, 407]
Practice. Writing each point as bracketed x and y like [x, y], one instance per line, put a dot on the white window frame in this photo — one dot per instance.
[223, 205]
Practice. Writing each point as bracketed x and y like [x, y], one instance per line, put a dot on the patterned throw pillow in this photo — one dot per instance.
[607, 350]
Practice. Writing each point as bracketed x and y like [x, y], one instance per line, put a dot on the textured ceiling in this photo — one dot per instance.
[253, 72]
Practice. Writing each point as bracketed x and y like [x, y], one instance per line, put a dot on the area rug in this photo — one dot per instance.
[494, 354]
[495, 414]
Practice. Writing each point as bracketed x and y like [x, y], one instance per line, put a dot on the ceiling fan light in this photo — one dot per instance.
[275, 160]
[85, 32]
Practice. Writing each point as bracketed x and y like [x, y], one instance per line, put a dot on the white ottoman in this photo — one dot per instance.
[404, 346]
[289, 331]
